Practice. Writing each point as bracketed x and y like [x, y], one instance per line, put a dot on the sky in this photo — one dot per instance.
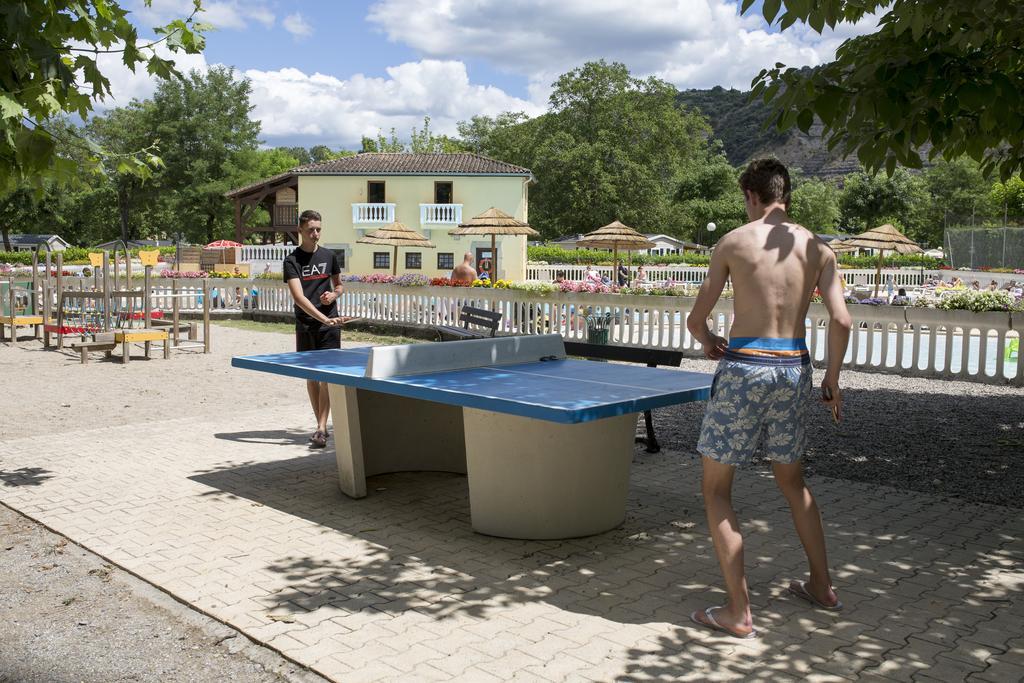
[329, 72]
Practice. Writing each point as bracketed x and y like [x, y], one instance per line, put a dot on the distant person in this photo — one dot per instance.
[975, 285]
[464, 272]
[993, 286]
[266, 269]
[763, 384]
[901, 298]
[641, 275]
[313, 276]
[623, 274]
[890, 286]
[591, 275]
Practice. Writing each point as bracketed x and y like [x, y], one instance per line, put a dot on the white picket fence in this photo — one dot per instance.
[694, 275]
[922, 342]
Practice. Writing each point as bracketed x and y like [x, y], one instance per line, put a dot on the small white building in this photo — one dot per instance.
[29, 242]
[666, 244]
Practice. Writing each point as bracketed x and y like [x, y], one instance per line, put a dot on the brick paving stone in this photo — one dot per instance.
[397, 587]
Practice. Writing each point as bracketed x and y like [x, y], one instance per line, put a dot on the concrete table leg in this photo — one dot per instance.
[535, 479]
[378, 433]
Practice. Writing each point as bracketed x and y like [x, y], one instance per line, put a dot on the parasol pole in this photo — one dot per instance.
[615, 263]
[394, 262]
[494, 259]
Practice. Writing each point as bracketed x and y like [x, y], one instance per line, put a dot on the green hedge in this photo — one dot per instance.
[555, 255]
[72, 255]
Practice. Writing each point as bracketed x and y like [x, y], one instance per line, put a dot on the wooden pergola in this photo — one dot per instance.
[284, 215]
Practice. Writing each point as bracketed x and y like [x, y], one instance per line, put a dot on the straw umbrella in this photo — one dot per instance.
[494, 222]
[616, 236]
[883, 238]
[395, 235]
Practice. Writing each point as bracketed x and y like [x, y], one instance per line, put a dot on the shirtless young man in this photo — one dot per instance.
[763, 385]
[464, 271]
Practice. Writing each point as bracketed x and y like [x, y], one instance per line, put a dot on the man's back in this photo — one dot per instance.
[774, 265]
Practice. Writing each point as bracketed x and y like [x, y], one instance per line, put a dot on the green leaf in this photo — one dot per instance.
[805, 119]
[769, 9]
[9, 107]
[745, 6]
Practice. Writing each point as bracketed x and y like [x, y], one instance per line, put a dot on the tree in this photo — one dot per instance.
[50, 70]
[609, 147]
[1009, 196]
[958, 195]
[868, 199]
[815, 205]
[945, 74]
[709, 193]
[204, 127]
[421, 141]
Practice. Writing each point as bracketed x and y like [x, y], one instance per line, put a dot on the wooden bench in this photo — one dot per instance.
[101, 341]
[630, 354]
[482, 318]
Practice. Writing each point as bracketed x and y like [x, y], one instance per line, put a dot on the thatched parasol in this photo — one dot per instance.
[494, 222]
[615, 236]
[395, 235]
[883, 238]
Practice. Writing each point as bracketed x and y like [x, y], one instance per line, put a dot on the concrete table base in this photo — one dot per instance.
[528, 478]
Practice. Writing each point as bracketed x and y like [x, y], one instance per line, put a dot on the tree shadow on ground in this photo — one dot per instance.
[968, 446]
[892, 554]
[25, 476]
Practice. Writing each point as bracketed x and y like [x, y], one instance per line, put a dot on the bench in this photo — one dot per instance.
[101, 341]
[630, 354]
[488, 320]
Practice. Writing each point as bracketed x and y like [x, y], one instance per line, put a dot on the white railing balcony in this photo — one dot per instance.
[440, 214]
[373, 213]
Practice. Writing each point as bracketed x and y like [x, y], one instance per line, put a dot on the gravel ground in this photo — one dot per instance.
[959, 439]
[66, 615]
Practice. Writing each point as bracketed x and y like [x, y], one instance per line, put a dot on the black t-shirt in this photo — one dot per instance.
[315, 271]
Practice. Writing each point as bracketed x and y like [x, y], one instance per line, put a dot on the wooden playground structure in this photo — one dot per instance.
[101, 317]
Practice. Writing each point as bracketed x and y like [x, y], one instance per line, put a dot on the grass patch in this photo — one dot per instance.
[377, 339]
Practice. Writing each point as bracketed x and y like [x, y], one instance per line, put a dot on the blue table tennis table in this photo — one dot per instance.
[546, 441]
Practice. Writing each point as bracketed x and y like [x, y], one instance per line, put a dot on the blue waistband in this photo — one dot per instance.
[773, 361]
[769, 343]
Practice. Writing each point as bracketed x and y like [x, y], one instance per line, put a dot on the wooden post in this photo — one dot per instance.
[394, 262]
[106, 291]
[60, 298]
[10, 311]
[174, 309]
[147, 305]
[206, 316]
[494, 259]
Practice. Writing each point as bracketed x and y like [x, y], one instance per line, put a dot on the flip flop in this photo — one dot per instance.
[799, 589]
[712, 625]
[319, 440]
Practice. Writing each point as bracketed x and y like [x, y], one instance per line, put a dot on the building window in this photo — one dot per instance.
[375, 192]
[443, 192]
[382, 259]
[341, 257]
[446, 261]
[413, 260]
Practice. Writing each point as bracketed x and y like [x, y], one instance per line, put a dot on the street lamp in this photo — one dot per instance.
[711, 228]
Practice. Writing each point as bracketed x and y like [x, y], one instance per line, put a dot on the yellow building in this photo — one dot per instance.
[430, 193]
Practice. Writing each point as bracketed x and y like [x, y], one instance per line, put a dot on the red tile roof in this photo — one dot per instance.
[401, 163]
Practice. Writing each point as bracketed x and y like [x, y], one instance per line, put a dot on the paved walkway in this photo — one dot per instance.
[235, 516]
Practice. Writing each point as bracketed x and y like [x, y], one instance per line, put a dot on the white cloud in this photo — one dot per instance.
[322, 109]
[296, 25]
[337, 112]
[692, 43]
[126, 85]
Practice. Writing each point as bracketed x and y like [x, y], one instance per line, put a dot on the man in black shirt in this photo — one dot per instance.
[313, 277]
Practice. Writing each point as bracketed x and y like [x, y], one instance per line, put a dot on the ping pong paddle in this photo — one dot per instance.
[826, 393]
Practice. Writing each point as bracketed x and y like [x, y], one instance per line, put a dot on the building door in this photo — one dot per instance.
[375, 192]
[485, 261]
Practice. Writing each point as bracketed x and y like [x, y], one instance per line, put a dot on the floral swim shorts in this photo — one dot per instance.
[760, 394]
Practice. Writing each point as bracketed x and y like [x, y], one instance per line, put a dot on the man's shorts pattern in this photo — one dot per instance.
[757, 398]
[316, 337]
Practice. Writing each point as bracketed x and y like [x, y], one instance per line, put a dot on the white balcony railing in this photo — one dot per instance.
[440, 214]
[373, 213]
